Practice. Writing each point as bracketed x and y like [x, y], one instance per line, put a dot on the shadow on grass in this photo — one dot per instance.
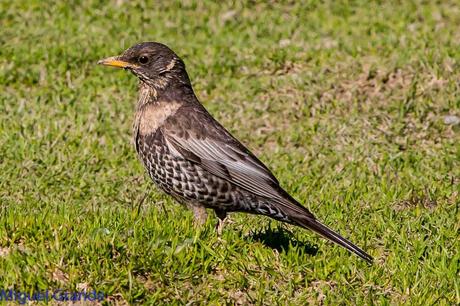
[281, 240]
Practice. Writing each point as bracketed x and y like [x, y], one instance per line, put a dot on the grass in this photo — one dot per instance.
[343, 100]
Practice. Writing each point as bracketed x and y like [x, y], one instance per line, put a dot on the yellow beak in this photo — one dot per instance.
[115, 62]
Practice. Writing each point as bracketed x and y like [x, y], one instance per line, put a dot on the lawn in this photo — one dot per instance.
[345, 101]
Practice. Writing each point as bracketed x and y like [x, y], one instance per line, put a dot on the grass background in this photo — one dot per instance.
[344, 100]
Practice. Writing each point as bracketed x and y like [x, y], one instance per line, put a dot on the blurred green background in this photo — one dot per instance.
[346, 101]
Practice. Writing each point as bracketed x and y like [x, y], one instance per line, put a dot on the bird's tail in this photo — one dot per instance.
[306, 220]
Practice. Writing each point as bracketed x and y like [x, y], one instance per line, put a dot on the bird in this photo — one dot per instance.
[189, 155]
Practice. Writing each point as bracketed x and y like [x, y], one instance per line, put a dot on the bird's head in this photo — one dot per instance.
[153, 63]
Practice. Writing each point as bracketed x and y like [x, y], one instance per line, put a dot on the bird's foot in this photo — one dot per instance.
[220, 226]
[221, 217]
[199, 214]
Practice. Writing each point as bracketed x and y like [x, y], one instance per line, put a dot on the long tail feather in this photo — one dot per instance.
[309, 222]
[334, 237]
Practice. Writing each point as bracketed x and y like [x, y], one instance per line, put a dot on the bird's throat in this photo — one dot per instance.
[147, 94]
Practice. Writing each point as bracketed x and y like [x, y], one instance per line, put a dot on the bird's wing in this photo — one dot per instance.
[194, 134]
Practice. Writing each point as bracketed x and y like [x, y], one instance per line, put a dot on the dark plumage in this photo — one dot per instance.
[190, 156]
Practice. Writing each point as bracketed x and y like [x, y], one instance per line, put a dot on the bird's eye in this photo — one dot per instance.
[143, 59]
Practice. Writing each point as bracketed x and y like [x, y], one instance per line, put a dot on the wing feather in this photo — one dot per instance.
[202, 140]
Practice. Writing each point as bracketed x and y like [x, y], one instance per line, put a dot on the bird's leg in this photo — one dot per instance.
[199, 213]
[221, 215]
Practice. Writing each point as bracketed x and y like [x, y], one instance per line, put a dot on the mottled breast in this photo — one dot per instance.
[149, 143]
[180, 177]
[169, 170]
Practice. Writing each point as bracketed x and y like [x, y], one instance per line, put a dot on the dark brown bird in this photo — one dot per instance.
[190, 156]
